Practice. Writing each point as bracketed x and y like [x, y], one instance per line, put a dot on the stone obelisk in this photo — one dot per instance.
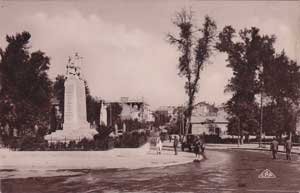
[103, 114]
[75, 125]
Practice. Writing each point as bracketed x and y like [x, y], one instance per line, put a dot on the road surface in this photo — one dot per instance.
[222, 171]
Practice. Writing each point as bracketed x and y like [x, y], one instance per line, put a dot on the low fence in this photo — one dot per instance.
[29, 143]
[131, 140]
[66, 145]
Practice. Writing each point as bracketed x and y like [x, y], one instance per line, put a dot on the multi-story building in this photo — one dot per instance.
[209, 119]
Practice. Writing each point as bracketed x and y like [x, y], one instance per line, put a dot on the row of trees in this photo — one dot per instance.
[259, 72]
[265, 85]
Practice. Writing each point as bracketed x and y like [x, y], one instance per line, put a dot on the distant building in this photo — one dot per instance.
[214, 119]
[148, 114]
[134, 109]
[168, 111]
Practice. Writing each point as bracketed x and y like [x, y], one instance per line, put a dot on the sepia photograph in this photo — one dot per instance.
[149, 96]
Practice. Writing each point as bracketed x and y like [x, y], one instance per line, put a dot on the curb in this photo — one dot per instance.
[252, 149]
[240, 148]
[255, 149]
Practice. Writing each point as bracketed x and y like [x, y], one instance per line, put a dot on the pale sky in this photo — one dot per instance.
[124, 45]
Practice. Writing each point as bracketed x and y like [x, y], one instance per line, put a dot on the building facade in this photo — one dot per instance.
[209, 119]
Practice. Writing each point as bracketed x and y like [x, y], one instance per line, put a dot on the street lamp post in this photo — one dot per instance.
[181, 124]
[261, 119]
[239, 130]
[261, 70]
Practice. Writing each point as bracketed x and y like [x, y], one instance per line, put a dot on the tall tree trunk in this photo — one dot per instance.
[188, 125]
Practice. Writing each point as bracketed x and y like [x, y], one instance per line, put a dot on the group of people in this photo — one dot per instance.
[199, 147]
[288, 148]
[159, 145]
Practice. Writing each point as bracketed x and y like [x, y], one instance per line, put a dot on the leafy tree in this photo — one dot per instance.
[59, 92]
[26, 88]
[281, 80]
[161, 118]
[273, 119]
[194, 51]
[92, 106]
[132, 124]
[257, 69]
[245, 56]
[103, 132]
[113, 113]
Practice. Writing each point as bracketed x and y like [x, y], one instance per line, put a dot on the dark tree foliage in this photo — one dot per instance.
[281, 83]
[273, 120]
[59, 92]
[258, 70]
[132, 125]
[103, 132]
[245, 57]
[113, 113]
[26, 88]
[195, 46]
[160, 118]
[92, 106]
[282, 79]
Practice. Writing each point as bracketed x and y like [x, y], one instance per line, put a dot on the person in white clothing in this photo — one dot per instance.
[158, 145]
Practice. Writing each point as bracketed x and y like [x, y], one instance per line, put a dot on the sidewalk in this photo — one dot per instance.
[212, 146]
[295, 150]
[21, 164]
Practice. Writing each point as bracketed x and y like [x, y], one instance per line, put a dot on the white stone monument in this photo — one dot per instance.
[75, 125]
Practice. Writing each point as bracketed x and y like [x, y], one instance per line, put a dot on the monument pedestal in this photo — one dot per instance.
[71, 135]
[72, 132]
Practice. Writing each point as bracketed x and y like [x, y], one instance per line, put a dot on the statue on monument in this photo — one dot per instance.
[75, 126]
[74, 66]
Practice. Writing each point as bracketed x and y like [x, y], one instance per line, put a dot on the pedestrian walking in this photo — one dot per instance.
[202, 147]
[158, 146]
[197, 147]
[274, 147]
[288, 149]
[175, 144]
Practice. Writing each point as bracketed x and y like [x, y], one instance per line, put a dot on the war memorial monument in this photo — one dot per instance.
[75, 126]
